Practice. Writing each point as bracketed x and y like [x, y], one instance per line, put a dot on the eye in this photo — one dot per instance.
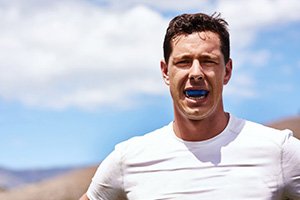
[184, 62]
[209, 62]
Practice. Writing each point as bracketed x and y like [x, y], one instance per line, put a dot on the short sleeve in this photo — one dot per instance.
[107, 183]
[291, 167]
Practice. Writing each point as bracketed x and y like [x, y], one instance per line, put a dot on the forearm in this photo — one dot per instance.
[84, 197]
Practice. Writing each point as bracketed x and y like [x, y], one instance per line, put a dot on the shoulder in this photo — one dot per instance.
[148, 141]
[263, 133]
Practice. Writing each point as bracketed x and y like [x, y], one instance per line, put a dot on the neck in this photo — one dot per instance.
[199, 130]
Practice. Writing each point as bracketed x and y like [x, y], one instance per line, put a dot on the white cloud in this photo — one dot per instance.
[256, 59]
[241, 86]
[166, 6]
[246, 18]
[71, 54]
[66, 53]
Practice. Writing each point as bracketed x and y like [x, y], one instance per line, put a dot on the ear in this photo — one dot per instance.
[165, 71]
[228, 72]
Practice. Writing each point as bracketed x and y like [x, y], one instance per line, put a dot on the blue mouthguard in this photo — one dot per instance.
[196, 93]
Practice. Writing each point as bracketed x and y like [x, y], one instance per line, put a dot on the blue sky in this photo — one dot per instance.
[77, 77]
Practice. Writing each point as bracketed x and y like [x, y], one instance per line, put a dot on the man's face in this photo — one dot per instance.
[196, 73]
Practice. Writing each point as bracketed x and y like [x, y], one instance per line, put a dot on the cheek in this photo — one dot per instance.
[215, 79]
[177, 77]
[177, 84]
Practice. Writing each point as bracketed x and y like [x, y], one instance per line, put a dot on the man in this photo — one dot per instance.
[205, 153]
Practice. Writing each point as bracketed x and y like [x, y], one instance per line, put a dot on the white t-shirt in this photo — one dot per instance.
[245, 161]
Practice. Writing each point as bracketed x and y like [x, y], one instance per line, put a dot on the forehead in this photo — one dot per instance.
[206, 42]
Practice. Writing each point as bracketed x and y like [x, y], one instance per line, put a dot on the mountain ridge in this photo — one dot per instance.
[11, 178]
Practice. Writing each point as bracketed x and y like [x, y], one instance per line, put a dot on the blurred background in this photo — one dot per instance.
[79, 76]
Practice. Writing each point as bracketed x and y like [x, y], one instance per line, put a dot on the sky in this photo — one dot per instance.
[79, 76]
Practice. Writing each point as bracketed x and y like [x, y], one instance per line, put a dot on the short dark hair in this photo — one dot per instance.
[190, 23]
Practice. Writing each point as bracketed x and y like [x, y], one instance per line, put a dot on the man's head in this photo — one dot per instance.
[197, 65]
[190, 23]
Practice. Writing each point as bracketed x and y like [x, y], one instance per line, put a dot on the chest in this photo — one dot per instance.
[196, 174]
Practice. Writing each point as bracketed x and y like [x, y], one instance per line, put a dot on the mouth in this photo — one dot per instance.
[196, 94]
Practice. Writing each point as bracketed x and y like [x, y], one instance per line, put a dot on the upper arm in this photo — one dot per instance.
[107, 182]
[291, 169]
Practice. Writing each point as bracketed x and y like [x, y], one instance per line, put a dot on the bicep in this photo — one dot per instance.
[107, 182]
[291, 169]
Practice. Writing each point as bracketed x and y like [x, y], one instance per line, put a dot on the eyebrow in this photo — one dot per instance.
[202, 56]
[209, 55]
[182, 56]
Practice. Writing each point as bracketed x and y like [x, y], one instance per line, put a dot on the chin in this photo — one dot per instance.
[199, 113]
[197, 116]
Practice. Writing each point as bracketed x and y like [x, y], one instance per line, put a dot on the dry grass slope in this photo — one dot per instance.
[292, 123]
[66, 187]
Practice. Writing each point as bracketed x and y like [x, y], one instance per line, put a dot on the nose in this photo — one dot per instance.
[196, 71]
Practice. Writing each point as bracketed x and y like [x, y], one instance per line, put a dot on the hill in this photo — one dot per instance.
[292, 123]
[14, 178]
[69, 186]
